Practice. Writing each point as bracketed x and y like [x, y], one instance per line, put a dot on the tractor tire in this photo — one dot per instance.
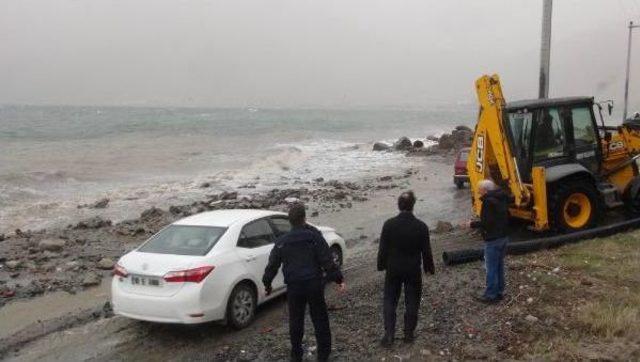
[631, 198]
[459, 184]
[574, 205]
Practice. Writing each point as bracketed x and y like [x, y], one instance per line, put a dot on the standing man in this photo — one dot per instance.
[404, 245]
[494, 224]
[304, 256]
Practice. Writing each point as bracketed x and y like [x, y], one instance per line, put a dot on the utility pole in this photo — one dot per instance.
[626, 82]
[545, 49]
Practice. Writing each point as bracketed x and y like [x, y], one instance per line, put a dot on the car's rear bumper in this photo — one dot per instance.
[458, 178]
[185, 307]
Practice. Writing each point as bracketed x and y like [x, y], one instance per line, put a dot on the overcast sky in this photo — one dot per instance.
[306, 53]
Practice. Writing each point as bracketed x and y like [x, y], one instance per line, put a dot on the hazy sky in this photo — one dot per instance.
[306, 53]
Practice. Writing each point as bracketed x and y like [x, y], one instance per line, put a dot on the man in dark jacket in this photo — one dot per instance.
[404, 246]
[494, 225]
[305, 257]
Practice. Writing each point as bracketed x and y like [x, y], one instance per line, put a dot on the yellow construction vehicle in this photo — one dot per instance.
[562, 168]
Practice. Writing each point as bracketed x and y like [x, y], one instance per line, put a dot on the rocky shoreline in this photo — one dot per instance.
[79, 256]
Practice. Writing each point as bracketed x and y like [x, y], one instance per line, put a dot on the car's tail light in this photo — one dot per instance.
[188, 276]
[120, 271]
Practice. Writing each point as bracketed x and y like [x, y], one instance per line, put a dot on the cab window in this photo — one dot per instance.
[256, 234]
[583, 132]
[550, 140]
[521, 123]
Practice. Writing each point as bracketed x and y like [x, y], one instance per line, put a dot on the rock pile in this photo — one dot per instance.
[448, 143]
[82, 255]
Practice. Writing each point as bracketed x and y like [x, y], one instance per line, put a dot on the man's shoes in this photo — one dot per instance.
[409, 337]
[483, 299]
[387, 341]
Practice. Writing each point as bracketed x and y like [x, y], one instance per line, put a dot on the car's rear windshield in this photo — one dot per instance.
[464, 155]
[183, 240]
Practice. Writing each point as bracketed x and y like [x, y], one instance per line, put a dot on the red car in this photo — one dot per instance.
[460, 175]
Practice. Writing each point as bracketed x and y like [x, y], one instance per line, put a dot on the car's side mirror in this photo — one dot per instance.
[610, 107]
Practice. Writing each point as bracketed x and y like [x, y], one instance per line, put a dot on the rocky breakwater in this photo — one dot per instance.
[82, 255]
[447, 144]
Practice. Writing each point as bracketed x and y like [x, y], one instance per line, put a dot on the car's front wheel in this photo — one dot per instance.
[241, 308]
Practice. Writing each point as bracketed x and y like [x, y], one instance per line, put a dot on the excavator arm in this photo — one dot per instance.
[491, 156]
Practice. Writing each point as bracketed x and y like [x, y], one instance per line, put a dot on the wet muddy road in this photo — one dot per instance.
[355, 316]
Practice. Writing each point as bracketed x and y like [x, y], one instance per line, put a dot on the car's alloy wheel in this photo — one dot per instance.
[241, 308]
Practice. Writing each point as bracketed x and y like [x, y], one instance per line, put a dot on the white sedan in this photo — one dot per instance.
[206, 267]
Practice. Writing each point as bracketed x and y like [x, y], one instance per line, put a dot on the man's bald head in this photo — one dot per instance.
[406, 201]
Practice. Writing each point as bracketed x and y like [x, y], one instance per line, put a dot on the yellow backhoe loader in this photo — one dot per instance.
[563, 169]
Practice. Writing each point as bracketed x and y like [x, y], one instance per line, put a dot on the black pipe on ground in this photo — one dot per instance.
[523, 247]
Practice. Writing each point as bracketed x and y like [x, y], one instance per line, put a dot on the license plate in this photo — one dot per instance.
[145, 281]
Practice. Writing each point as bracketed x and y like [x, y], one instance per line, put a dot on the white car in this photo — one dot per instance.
[206, 267]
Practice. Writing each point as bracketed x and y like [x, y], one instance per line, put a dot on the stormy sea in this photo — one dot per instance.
[55, 159]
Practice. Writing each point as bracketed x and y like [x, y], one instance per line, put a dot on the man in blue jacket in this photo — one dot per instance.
[305, 258]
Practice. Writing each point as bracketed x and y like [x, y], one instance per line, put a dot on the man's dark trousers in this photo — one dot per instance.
[299, 294]
[494, 251]
[393, 284]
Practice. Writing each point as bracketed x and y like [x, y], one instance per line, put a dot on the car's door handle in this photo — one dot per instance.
[250, 258]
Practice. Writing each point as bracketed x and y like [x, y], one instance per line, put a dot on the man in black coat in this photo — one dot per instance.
[494, 225]
[305, 257]
[404, 247]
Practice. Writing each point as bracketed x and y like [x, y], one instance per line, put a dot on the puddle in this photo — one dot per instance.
[18, 315]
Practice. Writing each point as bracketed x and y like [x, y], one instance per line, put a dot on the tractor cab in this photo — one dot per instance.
[553, 132]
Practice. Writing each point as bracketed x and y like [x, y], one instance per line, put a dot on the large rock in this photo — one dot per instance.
[433, 138]
[462, 138]
[443, 227]
[93, 223]
[91, 279]
[463, 128]
[105, 264]
[403, 144]
[379, 146]
[151, 213]
[52, 244]
[530, 318]
[446, 142]
[228, 195]
[13, 264]
[418, 144]
[100, 204]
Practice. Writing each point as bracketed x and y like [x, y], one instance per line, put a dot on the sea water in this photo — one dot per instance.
[54, 158]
